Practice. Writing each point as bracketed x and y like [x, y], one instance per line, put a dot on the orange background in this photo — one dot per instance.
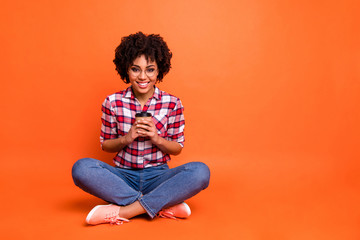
[271, 95]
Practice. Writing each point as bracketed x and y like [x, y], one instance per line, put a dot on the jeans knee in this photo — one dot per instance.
[79, 171]
[201, 173]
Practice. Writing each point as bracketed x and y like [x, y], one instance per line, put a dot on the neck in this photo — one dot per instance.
[143, 98]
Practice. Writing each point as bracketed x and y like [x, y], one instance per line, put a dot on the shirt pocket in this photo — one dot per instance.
[161, 124]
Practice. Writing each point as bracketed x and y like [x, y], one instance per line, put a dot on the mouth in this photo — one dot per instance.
[143, 84]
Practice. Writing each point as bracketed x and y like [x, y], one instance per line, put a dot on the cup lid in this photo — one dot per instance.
[143, 114]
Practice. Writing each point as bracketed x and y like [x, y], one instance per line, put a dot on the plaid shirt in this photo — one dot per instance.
[118, 116]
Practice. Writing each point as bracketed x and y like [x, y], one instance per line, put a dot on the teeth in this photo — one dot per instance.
[143, 84]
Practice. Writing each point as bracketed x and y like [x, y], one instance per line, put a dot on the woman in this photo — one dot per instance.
[141, 181]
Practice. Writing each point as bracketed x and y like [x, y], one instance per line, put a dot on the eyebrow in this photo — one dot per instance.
[151, 65]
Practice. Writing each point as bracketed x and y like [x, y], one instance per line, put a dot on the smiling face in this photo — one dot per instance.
[143, 75]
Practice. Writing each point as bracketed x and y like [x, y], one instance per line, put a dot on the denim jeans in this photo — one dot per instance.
[155, 187]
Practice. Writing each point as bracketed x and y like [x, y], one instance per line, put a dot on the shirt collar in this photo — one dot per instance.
[129, 93]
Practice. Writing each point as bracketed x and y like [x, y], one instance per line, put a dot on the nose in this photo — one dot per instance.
[142, 75]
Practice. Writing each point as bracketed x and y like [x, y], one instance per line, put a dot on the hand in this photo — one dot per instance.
[131, 135]
[117, 144]
[147, 128]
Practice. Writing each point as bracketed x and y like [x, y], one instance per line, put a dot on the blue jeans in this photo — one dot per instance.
[155, 187]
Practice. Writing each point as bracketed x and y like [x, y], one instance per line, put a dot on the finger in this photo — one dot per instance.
[142, 126]
[147, 128]
[146, 121]
[142, 133]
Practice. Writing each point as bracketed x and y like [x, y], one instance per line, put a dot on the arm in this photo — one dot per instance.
[169, 147]
[111, 140]
[142, 128]
[117, 144]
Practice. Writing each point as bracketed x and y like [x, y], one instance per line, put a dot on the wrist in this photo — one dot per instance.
[158, 141]
[127, 140]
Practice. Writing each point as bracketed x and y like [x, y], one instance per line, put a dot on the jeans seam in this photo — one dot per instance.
[146, 207]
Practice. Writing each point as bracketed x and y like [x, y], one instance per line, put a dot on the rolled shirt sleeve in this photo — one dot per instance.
[176, 124]
[108, 122]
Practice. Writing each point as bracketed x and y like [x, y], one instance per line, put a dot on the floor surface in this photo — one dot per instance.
[264, 197]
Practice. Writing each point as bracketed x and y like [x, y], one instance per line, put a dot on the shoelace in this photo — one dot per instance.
[114, 219]
[167, 214]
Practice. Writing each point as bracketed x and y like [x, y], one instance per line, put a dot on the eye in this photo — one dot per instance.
[150, 70]
[134, 69]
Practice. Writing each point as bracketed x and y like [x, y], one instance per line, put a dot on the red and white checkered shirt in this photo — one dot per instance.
[118, 116]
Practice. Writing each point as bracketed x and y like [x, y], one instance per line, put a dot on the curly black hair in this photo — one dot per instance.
[152, 46]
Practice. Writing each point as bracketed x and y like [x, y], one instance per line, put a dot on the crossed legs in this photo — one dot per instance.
[140, 191]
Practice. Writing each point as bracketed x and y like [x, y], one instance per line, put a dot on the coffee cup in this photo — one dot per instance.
[143, 115]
